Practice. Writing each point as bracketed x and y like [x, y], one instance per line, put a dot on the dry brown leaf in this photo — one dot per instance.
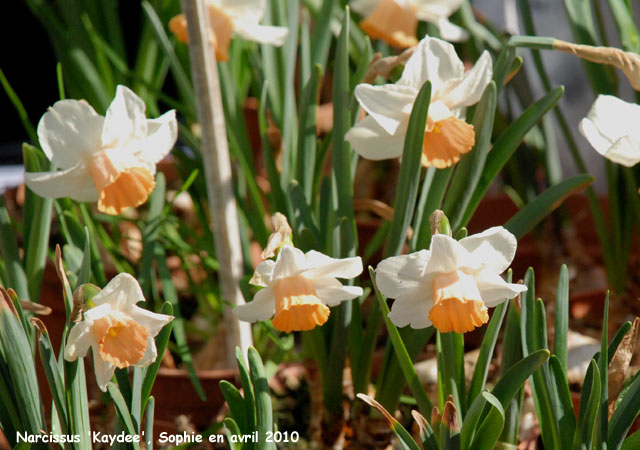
[620, 363]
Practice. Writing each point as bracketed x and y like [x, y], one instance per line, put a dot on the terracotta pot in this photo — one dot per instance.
[175, 395]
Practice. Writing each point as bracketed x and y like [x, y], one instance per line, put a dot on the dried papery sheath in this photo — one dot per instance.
[628, 62]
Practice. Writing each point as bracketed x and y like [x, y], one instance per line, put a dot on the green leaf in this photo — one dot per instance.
[487, 347]
[491, 427]
[627, 28]
[16, 277]
[603, 366]
[532, 214]
[507, 144]
[247, 388]
[588, 412]
[513, 379]
[409, 177]
[511, 354]
[307, 136]
[562, 319]
[561, 399]
[150, 373]
[409, 371]
[236, 405]
[148, 429]
[123, 411]
[625, 414]
[264, 413]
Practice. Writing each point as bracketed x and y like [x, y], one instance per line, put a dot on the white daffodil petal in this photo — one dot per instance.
[250, 11]
[363, 7]
[161, 137]
[495, 248]
[263, 273]
[411, 310]
[429, 9]
[322, 266]
[390, 105]
[614, 118]
[472, 85]
[434, 60]
[331, 292]
[78, 342]
[400, 275]
[122, 293]
[447, 255]
[150, 354]
[69, 132]
[262, 307]
[125, 119]
[74, 182]
[625, 151]
[263, 34]
[153, 322]
[290, 262]
[494, 290]
[598, 141]
[451, 32]
[97, 312]
[371, 141]
[104, 370]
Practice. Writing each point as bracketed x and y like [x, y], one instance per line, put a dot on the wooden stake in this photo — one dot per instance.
[217, 171]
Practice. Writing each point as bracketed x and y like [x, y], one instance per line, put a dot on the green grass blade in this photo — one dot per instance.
[562, 319]
[123, 412]
[588, 412]
[264, 412]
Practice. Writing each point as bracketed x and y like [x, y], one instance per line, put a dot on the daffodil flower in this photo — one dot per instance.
[612, 127]
[299, 288]
[120, 333]
[396, 21]
[452, 284]
[381, 134]
[109, 159]
[227, 17]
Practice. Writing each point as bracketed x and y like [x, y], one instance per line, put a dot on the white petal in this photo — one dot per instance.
[598, 141]
[150, 354]
[153, 322]
[401, 275]
[264, 273]
[125, 120]
[494, 248]
[75, 182]
[371, 141]
[79, 340]
[322, 266]
[434, 60]
[290, 261]
[412, 310]
[494, 290]
[262, 307]
[122, 293]
[331, 292]
[69, 132]
[451, 32]
[97, 312]
[263, 34]
[625, 151]
[447, 255]
[472, 85]
[363, 7]
[161, 137]
[250, 11]
[431, 10]
[614, 119]
[104, 370]
[389, 104]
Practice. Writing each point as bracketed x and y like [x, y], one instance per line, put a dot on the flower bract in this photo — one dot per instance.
[381, 134]
[120, 333]
[299, 288]
[452, 284]
[228, 17]
[110, 159]
[612, 128]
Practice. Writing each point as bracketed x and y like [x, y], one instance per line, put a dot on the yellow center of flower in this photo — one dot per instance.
[392, 23]
[445, 141]
[297, 305]
[221, 25]
[118, 187]
[122, 342]
[457, 305]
